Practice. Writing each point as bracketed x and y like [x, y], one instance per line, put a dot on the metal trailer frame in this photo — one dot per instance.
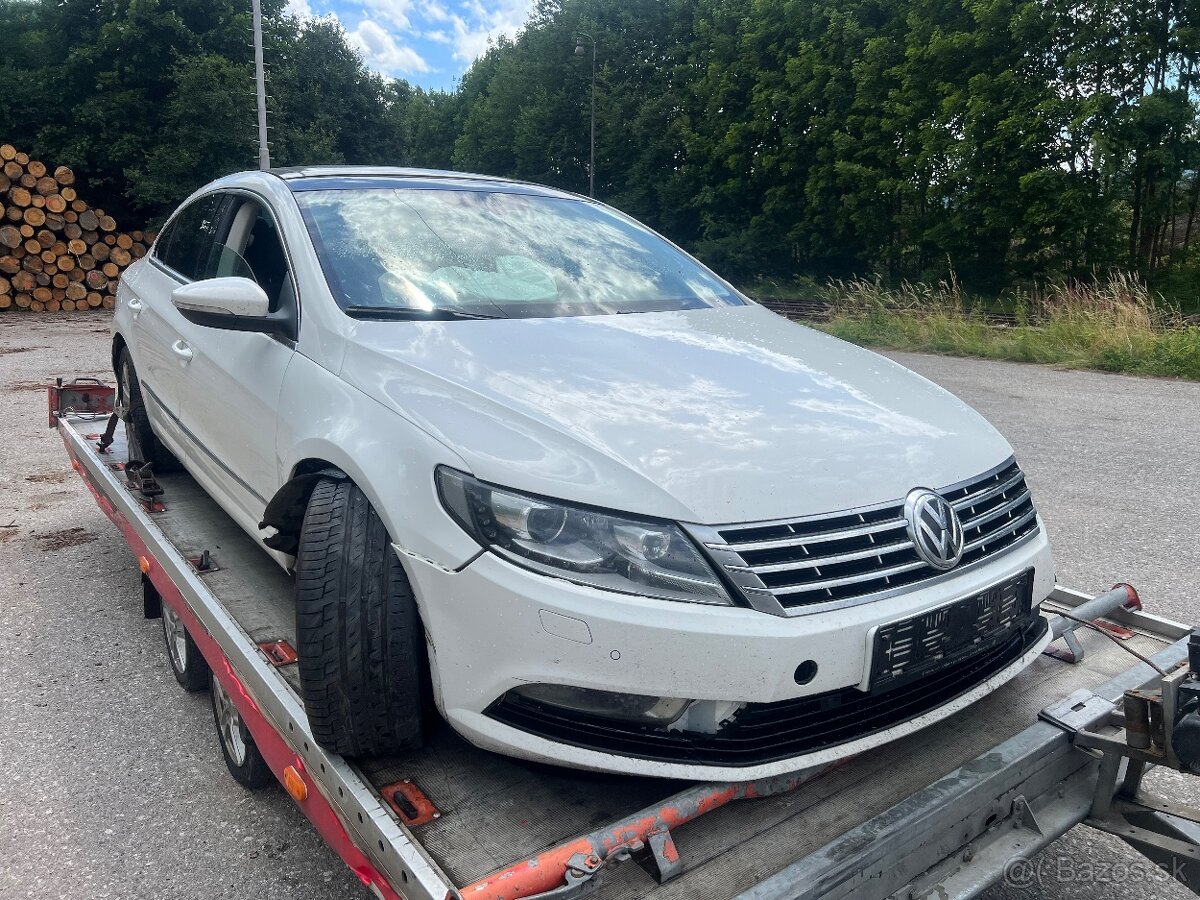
[952, 839]
[968, 830]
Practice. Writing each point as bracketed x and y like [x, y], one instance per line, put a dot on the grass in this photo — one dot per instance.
[764, 288]
[1112, 323]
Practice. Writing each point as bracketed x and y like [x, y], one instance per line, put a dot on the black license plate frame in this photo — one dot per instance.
[909, 649]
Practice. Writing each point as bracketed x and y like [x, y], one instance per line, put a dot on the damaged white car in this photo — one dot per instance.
[536, 467]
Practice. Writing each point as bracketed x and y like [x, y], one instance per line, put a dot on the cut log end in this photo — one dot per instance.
[56, 251]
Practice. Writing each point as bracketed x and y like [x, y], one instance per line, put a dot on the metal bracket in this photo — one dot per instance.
[657, 855]
[580, 879]
[661, 857]
[1073, 654]
[1023, 816]
[1080, 710]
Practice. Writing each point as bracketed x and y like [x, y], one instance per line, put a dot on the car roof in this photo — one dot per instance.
[291, 173]
[313, 178]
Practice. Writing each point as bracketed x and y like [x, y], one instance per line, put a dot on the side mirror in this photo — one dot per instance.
[222, 296]
[235, 304]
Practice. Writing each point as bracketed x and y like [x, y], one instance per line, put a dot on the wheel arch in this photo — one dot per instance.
[285, 511]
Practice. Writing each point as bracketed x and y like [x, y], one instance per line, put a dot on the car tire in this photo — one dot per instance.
[143, 443]
[361, 644]
[242, 757]
[187, 663]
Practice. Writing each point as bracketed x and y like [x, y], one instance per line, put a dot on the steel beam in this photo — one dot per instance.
[943, 822]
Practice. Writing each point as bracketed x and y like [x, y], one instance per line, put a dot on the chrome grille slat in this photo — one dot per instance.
[839, 582]
[849, 556]
[983, 496]
[993, 514]
[815, 562]
[801, 540]
[995, 536]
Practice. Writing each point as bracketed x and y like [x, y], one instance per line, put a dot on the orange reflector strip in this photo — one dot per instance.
[295, 784]
[144, 565]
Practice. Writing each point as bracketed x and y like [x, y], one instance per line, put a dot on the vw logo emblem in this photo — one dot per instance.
[933, 527]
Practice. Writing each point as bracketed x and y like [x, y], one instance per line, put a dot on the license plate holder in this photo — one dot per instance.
[908, 649]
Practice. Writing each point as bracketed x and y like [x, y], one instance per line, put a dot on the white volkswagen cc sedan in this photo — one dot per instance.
[536, 467]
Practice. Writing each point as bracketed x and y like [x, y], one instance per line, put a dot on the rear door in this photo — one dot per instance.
[177, 258]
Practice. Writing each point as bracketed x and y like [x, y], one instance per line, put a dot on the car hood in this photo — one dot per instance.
[716, 416]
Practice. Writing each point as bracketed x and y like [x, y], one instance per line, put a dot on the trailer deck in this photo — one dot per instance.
[494, 812]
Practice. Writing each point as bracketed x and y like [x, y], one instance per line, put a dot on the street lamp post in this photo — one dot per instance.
[580, 50]
[260, 88]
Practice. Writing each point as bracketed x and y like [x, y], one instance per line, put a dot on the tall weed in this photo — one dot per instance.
[1111, 322]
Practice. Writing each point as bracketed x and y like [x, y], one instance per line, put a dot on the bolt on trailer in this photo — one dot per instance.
[942, 812]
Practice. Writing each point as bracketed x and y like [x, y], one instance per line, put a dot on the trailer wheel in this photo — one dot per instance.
[361, 643]
[242, 758]
[189, 666]
[144, 445]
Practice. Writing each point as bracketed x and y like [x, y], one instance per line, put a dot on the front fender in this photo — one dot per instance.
[324, 420]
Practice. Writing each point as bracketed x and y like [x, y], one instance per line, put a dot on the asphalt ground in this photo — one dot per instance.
[111, 779]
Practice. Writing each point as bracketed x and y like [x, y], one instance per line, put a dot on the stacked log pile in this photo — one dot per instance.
[56, 252]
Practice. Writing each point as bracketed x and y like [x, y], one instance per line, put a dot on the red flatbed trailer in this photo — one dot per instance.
[939, 813]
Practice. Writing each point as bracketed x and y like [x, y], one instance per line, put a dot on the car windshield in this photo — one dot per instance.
[417, 252]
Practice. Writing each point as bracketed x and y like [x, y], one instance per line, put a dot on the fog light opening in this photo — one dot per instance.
[639, 708]
[806, 671]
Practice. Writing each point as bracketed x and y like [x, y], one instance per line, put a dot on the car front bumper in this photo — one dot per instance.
[494, 626]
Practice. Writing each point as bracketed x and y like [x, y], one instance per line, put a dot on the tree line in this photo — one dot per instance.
[1006, 140]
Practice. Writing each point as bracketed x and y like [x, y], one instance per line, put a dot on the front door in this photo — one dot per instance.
[229, 397]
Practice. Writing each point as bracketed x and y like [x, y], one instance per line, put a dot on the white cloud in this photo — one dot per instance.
[382, 53]
[393, 12]
[389, 32]
[481, 23]
[434, 12]
[302, 9]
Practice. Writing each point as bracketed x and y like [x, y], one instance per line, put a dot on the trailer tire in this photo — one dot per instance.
[242, 757]
[360, 640]
[144, 444]
[187, 663]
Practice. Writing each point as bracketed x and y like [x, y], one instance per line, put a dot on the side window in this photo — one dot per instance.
[191, 236]
[251, 248]
[162, 246]
[265, 256]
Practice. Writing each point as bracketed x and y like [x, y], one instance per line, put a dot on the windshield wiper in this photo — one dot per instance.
[408, 314]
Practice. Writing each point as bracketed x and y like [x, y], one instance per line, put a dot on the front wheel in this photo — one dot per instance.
[361, 643]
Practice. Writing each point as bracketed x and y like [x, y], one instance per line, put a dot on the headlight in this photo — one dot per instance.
[600, 549]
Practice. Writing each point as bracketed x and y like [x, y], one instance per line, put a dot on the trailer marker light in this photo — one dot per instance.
[294, 784]
[144, 565]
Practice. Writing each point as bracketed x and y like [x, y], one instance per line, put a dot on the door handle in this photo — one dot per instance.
[183, 351]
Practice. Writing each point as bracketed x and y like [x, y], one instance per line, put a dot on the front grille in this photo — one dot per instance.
[851, 555]
[768, 732]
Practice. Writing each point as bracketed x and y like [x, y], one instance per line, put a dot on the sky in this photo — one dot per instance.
[426, 42]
